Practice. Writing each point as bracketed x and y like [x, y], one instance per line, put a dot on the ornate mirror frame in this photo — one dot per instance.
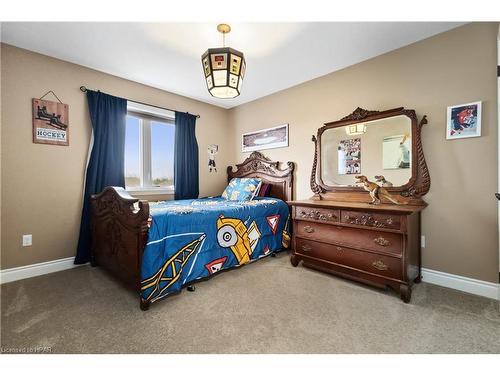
[410, 193]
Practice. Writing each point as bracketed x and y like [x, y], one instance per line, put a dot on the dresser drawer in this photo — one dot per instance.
[371, 219]
[384, 242]
[324, 215]
[370, 262]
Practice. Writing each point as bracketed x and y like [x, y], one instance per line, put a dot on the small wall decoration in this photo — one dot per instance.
[396, 152]
[212, 150]
[265, 139]
[463, 121]
[349, 156]
[50, 122]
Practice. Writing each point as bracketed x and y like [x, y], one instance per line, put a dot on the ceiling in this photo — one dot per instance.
[167, 55]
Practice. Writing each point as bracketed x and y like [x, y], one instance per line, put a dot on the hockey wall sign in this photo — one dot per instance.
[50, 122]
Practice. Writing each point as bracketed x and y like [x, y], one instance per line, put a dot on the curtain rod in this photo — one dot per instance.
[84, 89]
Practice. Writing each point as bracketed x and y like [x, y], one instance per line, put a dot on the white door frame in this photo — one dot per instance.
[498, 148]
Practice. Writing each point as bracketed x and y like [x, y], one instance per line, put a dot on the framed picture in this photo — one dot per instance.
[463, 121]
[265, 139]
[396, 152]
[349, 156]
[50, 122]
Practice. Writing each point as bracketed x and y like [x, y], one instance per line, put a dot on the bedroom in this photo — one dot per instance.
[85, 106]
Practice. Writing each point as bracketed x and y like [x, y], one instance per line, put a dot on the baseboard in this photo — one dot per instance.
[465, 284]
[12, 274]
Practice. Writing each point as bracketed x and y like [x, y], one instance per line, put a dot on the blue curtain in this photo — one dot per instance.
[186, 157]
[106, 164]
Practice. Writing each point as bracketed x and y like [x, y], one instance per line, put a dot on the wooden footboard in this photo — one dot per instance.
[119, 233]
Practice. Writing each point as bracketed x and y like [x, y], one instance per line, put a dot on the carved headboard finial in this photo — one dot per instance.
[258, 155]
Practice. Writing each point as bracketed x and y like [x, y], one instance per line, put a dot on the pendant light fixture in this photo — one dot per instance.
[224, 68]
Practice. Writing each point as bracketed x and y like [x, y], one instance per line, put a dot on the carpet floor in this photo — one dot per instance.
[265, 307]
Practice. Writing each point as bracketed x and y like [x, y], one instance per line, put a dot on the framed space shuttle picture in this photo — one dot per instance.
[50, 122]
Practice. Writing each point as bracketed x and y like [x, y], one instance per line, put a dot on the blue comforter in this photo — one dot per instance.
[193, 239]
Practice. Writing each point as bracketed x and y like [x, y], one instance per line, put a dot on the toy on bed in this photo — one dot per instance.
[159, 249]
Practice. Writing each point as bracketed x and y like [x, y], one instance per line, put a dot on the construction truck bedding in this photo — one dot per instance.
[194, 239]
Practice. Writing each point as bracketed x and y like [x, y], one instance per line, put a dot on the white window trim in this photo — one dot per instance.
[145, 148]
[149, 110]
[150, 191]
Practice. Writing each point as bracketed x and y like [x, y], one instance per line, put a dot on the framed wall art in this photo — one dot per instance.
[50, 122]
[265, 139]
[463, 121]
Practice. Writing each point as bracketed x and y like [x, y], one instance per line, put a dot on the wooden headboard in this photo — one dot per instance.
[260, 166]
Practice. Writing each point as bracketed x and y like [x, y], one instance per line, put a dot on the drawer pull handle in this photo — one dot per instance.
[339, 248]
[308, 229]
[381, 241]
[306, 248]
[381, 266]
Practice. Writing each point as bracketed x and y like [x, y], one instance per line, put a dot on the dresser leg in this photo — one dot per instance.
[417, 279]
[405, 293]
[294, 260]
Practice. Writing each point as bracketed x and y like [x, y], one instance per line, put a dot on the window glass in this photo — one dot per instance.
[149, 153]
[132, 153]
[162, 154]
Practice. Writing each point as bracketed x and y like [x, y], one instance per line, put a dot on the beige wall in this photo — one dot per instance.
[459, 66]
[42, 184]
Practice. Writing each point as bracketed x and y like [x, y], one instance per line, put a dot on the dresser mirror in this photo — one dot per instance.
[373, 148]
[384, 146]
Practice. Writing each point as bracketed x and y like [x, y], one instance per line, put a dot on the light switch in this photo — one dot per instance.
[422, 241]
[27, 240]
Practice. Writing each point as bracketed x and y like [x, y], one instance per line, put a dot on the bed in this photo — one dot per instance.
[159, 248]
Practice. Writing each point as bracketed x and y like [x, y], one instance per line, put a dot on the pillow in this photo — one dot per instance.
[241, 189]
[265, 190]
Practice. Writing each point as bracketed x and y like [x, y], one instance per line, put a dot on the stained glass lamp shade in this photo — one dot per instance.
[224, 69]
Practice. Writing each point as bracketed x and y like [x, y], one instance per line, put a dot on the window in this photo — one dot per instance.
[149, 150]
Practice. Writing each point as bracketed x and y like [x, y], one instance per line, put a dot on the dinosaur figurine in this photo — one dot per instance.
[376, 191]
[382, 181]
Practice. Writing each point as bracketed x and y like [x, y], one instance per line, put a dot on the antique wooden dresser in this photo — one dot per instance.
[353, 227]
[378, 245]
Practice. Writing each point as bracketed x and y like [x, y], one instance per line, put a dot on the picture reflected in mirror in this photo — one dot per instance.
[396, 152]
[350, 156]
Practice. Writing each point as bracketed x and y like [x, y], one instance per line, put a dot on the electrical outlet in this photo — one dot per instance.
[422, 241]
[27, 240]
